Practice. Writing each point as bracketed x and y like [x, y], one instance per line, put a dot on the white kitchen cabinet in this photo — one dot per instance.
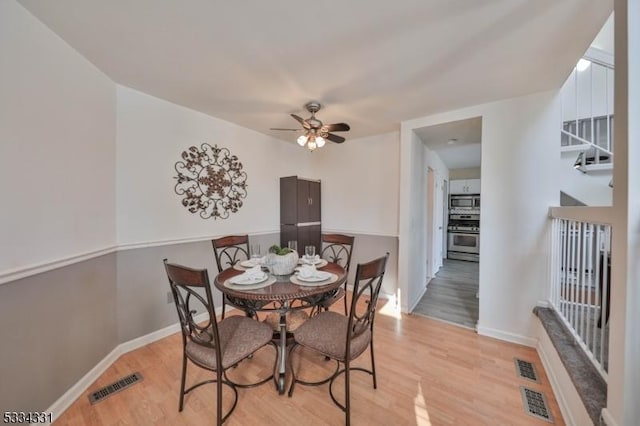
[457, 186]
[473, 186]
[464, 186]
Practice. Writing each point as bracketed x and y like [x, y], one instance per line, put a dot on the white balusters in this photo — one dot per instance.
[580, 283]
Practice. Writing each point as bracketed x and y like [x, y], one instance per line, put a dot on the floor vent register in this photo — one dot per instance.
[116, 387]
[535, 404]
[526, 370]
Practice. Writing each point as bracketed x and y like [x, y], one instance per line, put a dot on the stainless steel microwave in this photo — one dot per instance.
[464, 202]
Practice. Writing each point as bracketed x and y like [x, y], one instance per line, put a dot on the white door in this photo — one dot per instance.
[429, 238]
[438, 224]
[445, 217]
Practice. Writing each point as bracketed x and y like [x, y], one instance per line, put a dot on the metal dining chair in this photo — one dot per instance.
[337, 248]
[344, 338]
[229, 251]
[209, 344]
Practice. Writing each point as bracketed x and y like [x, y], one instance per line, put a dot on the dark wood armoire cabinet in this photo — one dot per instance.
[300, 217]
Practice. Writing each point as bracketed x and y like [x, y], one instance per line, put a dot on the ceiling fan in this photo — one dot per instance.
[315, 132]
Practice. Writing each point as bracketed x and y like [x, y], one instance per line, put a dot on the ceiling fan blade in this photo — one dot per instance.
[301, 121]
[336, 127]
[334, 138]
[278, 128]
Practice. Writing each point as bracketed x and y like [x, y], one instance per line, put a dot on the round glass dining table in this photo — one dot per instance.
[281, 294]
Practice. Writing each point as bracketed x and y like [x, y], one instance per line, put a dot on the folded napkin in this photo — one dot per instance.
[307, 271]
[254, 273]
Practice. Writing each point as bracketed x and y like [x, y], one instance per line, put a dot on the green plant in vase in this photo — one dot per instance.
[280, 251]
[281, 260]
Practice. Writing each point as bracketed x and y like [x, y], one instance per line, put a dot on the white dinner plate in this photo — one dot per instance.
[248, 263]
[317, 262]
[319, 276]
[247, 279]
[249, 287]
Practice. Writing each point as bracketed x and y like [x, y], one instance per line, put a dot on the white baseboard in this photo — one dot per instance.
[415, 303]
[570, 403]
[141, 341]
[608, 418]
[507, 336]
[76, 391]
[555, 385]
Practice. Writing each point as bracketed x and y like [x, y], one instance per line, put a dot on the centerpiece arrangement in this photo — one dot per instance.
[281, 261]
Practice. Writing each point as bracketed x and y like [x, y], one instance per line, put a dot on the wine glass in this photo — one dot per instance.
[293, 245]
[254, 250]
[309, 253]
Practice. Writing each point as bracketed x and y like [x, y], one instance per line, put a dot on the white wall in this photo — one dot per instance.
[470, 173]
[605, 38]
[57, 149]
[411, 220]
[152, 133]
[603, 79]
[57, 169]
[594, 94]
[360, 184]
[518, 186]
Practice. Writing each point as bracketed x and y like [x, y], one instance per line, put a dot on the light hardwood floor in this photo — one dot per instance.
[429, 373]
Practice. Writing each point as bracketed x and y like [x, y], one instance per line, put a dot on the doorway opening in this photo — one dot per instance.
[453, 206]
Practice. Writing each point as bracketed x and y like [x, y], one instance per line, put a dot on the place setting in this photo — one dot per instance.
[311, 258]
[308, 275]
[255, 259]
[251, 279]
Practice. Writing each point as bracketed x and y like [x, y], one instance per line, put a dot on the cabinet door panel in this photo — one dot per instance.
[457, 186]
[303, 201]
[309, 236]
[303, 238]
[314, 197]
[474, 186]
[288, 200]
[288, 233]
[315, 237]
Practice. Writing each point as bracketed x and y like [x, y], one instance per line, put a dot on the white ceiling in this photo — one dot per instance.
[457, 142]
[373, 63]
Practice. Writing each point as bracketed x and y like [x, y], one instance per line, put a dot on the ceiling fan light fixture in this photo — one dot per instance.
[312, 145]
[315, 132]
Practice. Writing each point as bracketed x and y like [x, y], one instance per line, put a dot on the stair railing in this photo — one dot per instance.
[580, 281]
[582, 159]
[587, 102]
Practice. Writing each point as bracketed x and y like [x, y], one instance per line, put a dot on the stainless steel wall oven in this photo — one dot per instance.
[464, 237]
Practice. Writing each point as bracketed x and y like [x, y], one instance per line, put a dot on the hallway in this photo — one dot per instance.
[451, 294]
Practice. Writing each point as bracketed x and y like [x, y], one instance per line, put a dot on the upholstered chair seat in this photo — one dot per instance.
[239, 336]
[327, 334]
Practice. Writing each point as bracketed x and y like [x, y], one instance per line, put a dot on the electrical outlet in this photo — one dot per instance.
[169, 297]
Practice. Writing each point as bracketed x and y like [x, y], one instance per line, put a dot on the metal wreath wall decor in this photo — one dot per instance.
[211, 180]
